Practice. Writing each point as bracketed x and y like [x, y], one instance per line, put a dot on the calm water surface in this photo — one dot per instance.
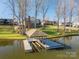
[14, 50]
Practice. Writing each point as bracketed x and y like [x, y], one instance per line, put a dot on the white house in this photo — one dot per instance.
[76, 24]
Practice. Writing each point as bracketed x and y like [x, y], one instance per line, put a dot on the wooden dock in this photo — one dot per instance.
[27, 46]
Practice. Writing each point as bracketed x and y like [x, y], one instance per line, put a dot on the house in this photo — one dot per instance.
[1, 21]
[6, 21]
[76, 24]
[38, 22]
[68, 24]
[29, 22]
[47, 22]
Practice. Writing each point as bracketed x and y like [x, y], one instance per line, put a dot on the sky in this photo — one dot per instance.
[4, 10]
[6, 13]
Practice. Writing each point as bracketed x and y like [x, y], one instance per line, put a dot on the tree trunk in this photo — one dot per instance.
[64, 25]
[58, 25]
[35, 18]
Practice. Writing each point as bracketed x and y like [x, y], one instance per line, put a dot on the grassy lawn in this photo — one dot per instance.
[6, 32]
[52, 31]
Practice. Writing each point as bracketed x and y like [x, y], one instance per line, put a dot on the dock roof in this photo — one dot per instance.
[35, 33]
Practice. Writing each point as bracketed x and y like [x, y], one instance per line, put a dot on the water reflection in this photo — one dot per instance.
[71, 41]
[14, 50]
[11, 50]
[5, 43]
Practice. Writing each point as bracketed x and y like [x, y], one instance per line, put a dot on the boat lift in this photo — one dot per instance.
[35, 47]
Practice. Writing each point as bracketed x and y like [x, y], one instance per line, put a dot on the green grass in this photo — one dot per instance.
[7, 32]
[52, 31]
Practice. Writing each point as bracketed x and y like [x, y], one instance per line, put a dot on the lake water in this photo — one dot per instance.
[14, 50]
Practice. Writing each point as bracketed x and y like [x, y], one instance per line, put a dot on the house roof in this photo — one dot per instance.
[35, 33]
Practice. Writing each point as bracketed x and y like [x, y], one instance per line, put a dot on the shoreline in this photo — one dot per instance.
[66, 35]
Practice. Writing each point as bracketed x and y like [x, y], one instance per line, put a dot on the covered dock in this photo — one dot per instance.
[35, 33]
[39, 40]
[34, 36]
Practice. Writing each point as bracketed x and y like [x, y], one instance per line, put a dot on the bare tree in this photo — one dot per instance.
[78, 10]
[37, 5]
[12, 8]
[19, 10]
[29, 7]
[22, 14]
[44, 8]
[71, 11]
[64, 14]
[58, 12]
